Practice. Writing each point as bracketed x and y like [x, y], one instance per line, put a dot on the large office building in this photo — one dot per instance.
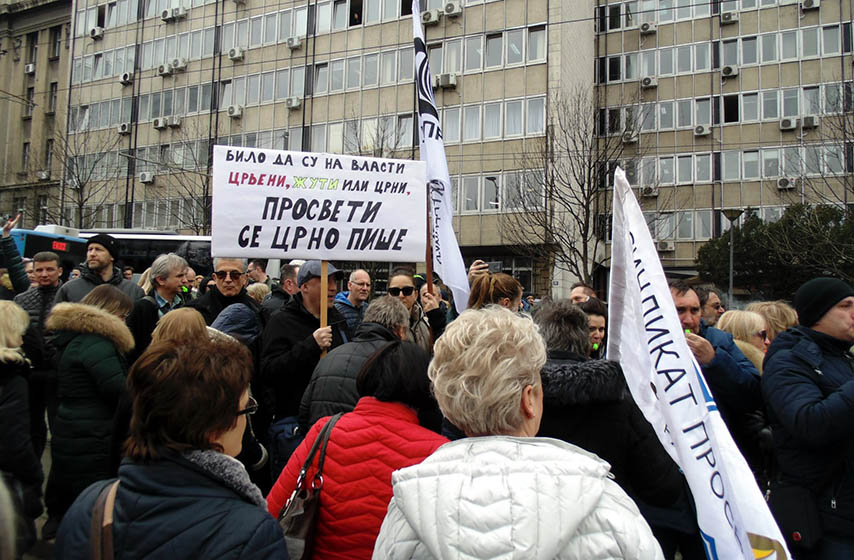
[155, 84]
[726, 105]
[35, 52]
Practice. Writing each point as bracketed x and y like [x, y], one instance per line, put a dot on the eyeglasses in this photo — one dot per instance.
[251, 407]
[407, 291]
[233, 274]
[762, 334]
[362, 284]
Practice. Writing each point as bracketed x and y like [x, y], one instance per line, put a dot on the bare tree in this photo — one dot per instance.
[560, 194]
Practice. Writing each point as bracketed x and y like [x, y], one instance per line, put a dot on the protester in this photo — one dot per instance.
[188, 293]
[426, 319]
[75, 273]
[353, 303]
[18, 281]
[808, 387]
[749, 332]
[182, 326]
[379, 436]
[127, 272]
[597, 318]
[38, 302]
[181, 494]
[291, 348]
[256, 273]
[778, 316]
[581, 292]
[93, 339]
[501, 492]
[258, 291]
[710, 304]
[281, 294]
[102, 251]
[230, 279]
[734, 381]
[19, 463]
[332, 388]
[167, 275]
[499, 288]
[30, 269]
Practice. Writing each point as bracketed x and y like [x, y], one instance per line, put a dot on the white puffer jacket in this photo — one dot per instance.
[512, 498]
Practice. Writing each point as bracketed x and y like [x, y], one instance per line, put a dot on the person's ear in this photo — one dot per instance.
[528, 402]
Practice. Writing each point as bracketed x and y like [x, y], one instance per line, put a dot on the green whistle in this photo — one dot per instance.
[595, 346]
[687, 331]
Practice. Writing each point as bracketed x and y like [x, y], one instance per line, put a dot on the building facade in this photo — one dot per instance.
[34, 61]
[735, 104]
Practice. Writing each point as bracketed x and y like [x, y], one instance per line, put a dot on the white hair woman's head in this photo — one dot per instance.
[486, 373]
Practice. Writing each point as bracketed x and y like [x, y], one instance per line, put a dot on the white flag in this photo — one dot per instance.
[646, 337]
[447, 260]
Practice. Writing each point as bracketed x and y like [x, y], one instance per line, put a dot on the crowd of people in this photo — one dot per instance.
[184, 412]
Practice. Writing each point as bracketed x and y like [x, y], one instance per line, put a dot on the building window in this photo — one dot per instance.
[55, 41]
[48, 154]
[32, 47]
[43, 208]
[31, 102]
[25, 156]
[493, 50]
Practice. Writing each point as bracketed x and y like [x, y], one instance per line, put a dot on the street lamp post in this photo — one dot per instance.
[732, 214]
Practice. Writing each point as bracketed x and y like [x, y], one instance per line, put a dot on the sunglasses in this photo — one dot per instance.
[233, 274]
[762, 334]
[251, 407]
[407, 291]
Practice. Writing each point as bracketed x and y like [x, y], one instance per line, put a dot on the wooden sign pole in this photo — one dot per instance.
[324, 290]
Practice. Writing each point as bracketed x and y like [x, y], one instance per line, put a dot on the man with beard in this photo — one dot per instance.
[102, 251]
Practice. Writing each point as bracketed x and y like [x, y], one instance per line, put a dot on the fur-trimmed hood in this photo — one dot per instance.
[78, 318]
[570, 383]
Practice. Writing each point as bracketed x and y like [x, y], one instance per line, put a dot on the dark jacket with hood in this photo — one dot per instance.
[587, 403]
[213, 302]
[91, 375]
[18, 459]
[734, 382]
[289, 352]
[77, 289]
[274, 301]
[199, 504]
[332, 388]
[808, 386]
[12, 262]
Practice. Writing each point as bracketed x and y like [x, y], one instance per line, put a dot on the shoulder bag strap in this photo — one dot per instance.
[101, 528]
[329, 426]
[319, 440]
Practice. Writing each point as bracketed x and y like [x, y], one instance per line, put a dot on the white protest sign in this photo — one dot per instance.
[278, 204]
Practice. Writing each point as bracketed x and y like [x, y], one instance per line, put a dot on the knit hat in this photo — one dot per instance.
[817, 296]
[108, 241]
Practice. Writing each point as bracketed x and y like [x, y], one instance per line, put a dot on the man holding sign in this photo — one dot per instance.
[292, 346]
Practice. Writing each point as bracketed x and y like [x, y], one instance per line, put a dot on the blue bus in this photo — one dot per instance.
[57, 239]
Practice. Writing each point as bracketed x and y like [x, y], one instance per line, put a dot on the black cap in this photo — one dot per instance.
[817, 296]
[109, 243]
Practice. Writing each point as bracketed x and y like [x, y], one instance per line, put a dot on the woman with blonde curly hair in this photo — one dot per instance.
[749, 332]
[486, 378]
[18, 459]
[778, 316]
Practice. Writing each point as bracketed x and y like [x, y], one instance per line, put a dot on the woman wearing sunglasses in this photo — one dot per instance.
[749, 332]
[426, 319]
[181, 494]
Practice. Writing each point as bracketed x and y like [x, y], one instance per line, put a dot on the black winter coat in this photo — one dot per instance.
[91, 379]
[141, 322]
[75, 290]
[177, 509]
[587, 403]
[808, 386]
[18, 459]
[332, 388]
[289, 352]
[213, 302]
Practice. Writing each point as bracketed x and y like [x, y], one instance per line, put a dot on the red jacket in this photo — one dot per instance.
[366, 445]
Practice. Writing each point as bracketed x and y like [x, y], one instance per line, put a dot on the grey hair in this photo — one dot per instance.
[564, 326]
[243, 262]
[164, 265]
[353, 274]
[387, 311]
